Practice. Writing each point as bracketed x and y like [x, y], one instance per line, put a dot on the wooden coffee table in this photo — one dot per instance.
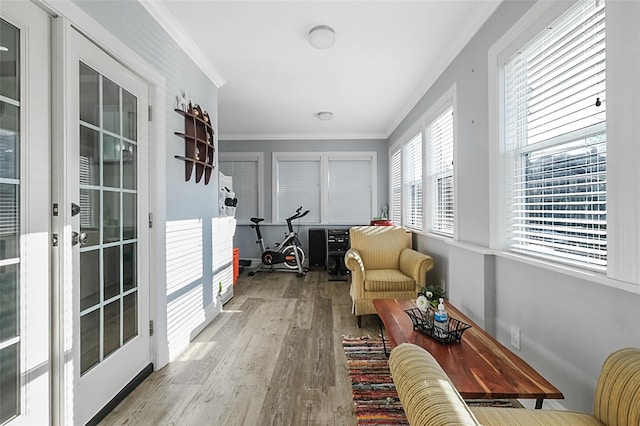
[478, 366]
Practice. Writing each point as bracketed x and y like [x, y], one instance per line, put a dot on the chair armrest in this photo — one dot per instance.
[353, 262]
[415, 265]
[616, 400]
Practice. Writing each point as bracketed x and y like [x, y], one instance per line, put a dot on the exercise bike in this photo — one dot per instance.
[288, 252]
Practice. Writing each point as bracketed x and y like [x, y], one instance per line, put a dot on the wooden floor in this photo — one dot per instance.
[273, 357]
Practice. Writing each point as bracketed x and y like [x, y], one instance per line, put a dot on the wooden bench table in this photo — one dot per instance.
[478, 366]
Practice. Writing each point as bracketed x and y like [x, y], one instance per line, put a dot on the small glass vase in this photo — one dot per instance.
[427, 316]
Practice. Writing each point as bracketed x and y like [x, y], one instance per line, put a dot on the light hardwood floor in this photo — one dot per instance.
[273, 357]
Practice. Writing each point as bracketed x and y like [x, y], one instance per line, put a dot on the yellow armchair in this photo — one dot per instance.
[383, 266]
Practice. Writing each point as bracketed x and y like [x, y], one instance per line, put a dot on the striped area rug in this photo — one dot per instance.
[374, 394]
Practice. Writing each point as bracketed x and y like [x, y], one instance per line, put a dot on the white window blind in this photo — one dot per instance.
[350, 191]
[555, 131]
[440, 137]
[298, 185]
[245, 186]
[396, 187]
[412, 181]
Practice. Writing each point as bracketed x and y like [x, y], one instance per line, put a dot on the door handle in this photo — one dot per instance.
[81, 239]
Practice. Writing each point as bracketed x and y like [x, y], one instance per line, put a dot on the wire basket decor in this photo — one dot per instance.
[425, 325]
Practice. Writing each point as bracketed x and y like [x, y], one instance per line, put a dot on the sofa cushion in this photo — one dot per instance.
[387, 280]
[379, 246]
[517, 416]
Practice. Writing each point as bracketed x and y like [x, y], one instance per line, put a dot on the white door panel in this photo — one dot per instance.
[106, 177]
[24, 214]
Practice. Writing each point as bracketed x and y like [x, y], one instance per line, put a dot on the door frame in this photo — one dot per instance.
[67, 15]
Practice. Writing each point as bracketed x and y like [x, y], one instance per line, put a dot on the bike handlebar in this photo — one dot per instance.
[298, 215]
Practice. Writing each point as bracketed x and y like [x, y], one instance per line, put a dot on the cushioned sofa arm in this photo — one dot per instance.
[415, 265]
[617, 398]
[427, 395]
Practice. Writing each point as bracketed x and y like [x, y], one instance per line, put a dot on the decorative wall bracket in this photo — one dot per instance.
[198, 142]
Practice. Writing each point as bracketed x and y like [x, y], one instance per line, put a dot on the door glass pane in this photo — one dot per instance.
[111, 272]
[89, 340]
[129, 267]
[89, 279]
[111, 106]
[89, 95]
[9, 221]
[89, 156]
[9, 56]
[9, 140]
[129, 116]
[129, 216]
[90, 215]
[129, 166]
[111, 327]
[109, 216]
[9, 392]
[111, 161]
[130, 316]
[8, 302]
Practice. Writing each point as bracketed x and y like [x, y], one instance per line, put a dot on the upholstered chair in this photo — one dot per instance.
[383, 266]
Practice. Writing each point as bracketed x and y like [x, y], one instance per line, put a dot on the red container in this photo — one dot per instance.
[236, 264]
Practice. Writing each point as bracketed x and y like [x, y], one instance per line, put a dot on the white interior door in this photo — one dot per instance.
[24, 214]
[106, 178]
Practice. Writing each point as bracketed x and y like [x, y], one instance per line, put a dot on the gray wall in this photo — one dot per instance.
[569, 325]
[245, 237]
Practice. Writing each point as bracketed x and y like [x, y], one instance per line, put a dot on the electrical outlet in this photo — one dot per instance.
[442, 286]
[515, 337]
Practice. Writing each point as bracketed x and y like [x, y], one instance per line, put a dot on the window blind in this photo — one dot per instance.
[350, 191]
[245, 186]
[396, 187]
[555, 129]
[440, 137]
[412, 179]
[298, 185]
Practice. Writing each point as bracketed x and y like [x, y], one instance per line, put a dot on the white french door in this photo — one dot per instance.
[24, 214]
[106, 239]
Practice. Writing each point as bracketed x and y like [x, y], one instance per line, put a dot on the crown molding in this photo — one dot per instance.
[297, 136]
[160, 13]
[466, 35]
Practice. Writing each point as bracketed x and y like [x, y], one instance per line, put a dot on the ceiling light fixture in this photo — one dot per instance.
[4, 49]
[324, 115]
[322, 37]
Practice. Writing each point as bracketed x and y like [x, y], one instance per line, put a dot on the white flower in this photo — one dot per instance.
[422, 303]
[429, 295]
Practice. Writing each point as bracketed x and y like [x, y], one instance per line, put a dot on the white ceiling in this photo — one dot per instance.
[272, 82]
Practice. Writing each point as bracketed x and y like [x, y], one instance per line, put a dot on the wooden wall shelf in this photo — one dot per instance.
[199, 148]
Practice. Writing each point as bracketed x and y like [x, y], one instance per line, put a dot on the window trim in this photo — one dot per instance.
[324, 158]
[446, 100]
[249, 156]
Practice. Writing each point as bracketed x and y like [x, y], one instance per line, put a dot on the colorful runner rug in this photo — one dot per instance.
[374, 394]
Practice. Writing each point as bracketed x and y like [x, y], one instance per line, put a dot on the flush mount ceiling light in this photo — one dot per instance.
[322, 36]
[324, 115]
[4, 49]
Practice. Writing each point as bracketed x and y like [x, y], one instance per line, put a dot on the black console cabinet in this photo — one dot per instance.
[337, 246]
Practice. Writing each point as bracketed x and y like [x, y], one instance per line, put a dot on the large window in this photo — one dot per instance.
[246, 171]
[337, 188]
[440, 146]
[555, 140]
[412, 183]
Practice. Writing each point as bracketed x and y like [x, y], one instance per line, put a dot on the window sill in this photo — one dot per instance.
[571, 271]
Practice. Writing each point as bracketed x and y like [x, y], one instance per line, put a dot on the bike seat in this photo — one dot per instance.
[256, 220]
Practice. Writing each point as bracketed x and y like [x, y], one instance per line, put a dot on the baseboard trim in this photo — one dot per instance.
[146, 371]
